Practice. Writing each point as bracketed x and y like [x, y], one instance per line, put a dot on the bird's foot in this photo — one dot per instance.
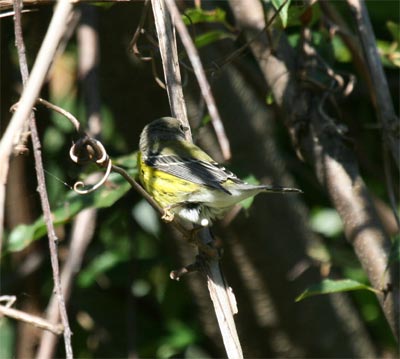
[168, 215]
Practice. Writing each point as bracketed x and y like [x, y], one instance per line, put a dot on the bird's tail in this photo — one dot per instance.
[278, 189]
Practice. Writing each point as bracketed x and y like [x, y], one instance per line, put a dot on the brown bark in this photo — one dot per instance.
[334, 163]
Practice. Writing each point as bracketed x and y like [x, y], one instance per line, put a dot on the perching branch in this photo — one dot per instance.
[37, 148]
[320, 142]
[221, 294]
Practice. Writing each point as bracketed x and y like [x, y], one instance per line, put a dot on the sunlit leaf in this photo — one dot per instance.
[283, 13]
[328, 286]
[340, 50]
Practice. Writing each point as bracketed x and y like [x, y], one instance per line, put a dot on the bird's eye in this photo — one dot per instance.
[183, 128]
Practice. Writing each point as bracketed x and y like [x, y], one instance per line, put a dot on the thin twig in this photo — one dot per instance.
[389, 185]
[85, 222]
[170, 62]
[63, 112]
[36, 321]
[337, 25]
[381, 94]
[201, 78]
[39, 168]
[139, 30]
[81, 235]
[12, 13]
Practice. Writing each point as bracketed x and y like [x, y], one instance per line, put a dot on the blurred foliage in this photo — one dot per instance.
[7, 338]
[127, 265]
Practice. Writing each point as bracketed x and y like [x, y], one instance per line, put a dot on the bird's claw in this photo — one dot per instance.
[167, 216]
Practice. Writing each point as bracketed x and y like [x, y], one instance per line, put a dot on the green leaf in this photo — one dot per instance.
[394, 30]
[99, 265]
[205, 120]
[270, 98]
[246, 203]
[342, 53]
[7, 338]
[104, 5]
[147, 217]
[327, 222]
[106, 196]
[328, 286]
[283, 13]
[198, 15]
[389, 52]
[211, 37]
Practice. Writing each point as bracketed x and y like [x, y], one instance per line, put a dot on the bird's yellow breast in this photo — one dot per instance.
[166, 189]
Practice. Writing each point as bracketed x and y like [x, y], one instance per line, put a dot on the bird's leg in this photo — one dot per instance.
[210, 250]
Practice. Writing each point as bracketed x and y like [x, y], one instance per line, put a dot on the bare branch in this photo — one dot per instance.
[170, 62]
[221, 294]
[201, 78]
[26, 106]
[85, 222]
[381, 96]
[82, 233]
[36, 321]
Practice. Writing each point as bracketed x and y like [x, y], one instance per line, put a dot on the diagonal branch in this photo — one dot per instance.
[36, 321]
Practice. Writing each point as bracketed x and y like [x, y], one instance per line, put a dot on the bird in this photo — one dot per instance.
[184, 180]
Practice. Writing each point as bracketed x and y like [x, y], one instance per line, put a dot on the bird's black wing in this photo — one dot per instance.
[208, 173]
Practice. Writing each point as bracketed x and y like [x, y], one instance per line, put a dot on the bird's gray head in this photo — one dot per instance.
[163, 129]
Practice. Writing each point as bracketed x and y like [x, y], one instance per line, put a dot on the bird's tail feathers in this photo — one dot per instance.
[279, 189]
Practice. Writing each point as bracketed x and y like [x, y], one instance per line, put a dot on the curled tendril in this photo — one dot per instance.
[78, 185]
[86, 150]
